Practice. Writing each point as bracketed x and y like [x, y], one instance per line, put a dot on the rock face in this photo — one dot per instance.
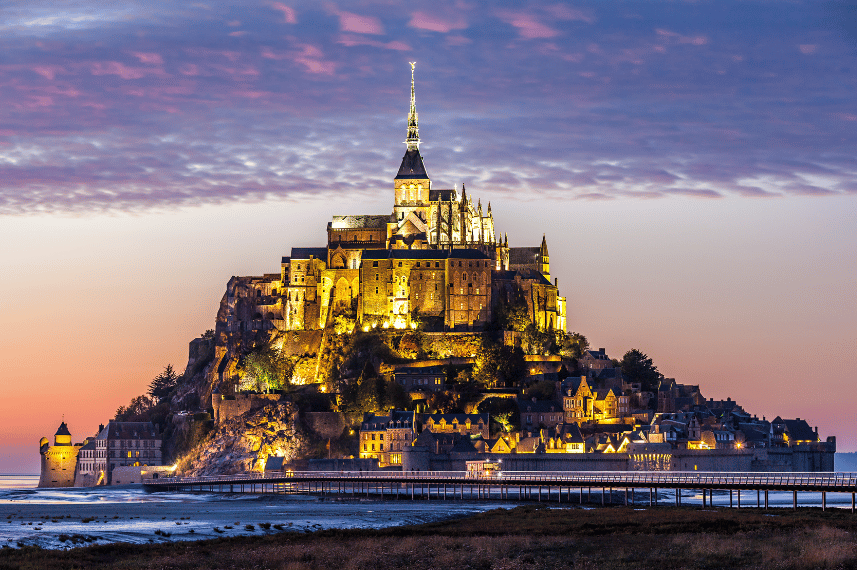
[244, 443]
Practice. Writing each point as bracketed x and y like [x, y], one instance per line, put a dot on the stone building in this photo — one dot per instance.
[436, 255]
[128, 444]
[384, 437]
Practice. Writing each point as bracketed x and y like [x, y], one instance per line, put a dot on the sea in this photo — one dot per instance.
[72, 517]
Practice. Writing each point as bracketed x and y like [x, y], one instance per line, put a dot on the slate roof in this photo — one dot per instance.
[467, 254]
[523, 255]
[63, 430]
[799, 430]
[412, 166]
[274, 463]
[533, 275]
[129, 430]
[460, 418]
[306, 252]
[441, 195]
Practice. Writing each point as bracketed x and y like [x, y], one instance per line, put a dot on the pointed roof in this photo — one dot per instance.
[63, 430]
[544, 246]
[412, 166]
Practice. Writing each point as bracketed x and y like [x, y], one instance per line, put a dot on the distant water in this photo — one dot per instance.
[18, 481]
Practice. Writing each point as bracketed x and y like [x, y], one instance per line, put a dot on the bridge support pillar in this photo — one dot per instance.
[758, 498]
[766, 499]
[824, 500]
[794, 499]
[650, 496]
[677, 498]
[852, 503]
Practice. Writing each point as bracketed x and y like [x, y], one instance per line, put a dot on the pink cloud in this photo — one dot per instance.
[116, 68]
[349, 22]
[807, 49]
[153, 58]
[351, 41]
[528, 25]
[289, 15]
[238, 34]
[47, 71]
[436, 23]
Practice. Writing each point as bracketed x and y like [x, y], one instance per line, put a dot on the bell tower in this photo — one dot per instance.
[412, 183]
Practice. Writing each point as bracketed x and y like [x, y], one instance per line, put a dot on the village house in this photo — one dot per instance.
[384, 437]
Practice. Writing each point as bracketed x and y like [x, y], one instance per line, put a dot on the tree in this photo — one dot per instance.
[162, 386]
[637, 367]
[572, 345]
[265, 369]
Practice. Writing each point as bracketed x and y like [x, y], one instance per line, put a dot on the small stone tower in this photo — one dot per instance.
[58, 460]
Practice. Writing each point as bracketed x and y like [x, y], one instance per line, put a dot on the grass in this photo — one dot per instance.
[525, 537]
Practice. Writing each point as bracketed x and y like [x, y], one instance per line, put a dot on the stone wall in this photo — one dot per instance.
[644, 458]
[228, 407]
[342, 465]
[127, 474]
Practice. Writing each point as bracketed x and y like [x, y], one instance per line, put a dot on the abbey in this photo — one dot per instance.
[436, 258]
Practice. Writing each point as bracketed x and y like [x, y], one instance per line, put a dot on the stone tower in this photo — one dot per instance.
[544, 259]
[412, 183]
[58, 460]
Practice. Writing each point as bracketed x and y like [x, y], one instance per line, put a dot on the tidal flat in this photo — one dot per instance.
[523, 537]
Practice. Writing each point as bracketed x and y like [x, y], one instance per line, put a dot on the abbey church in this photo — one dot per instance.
[436, 258]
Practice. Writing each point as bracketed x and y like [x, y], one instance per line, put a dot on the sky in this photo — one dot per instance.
[691, 165]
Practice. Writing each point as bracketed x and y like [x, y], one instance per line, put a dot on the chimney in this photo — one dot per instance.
[601, 350]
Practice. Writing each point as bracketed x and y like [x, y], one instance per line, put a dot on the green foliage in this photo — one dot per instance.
[498, 365]
[512, 316]
[543, 390]
[139, 407]
[535, 341]
[638, 367]
[572, 345]
[164, 383]
[504, 411]
[265, 369]
[442, 403]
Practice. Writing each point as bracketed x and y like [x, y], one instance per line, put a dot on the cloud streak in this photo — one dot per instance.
[171, 108]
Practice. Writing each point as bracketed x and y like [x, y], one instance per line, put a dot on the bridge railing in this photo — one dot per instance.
[573, 478]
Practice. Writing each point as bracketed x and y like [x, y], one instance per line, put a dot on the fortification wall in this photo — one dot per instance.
[226, 408]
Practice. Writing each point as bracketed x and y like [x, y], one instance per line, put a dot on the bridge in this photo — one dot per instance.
[559, 486]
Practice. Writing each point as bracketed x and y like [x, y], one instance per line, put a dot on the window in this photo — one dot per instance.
[382, 447]
[377, 277]
[400, 264]
[129, 454]
[373, 447]
[373, 437]
[374, 264]
[376, 290]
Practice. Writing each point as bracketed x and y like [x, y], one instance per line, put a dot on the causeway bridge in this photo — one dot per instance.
[560, 486]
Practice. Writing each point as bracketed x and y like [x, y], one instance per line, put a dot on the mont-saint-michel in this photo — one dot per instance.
[418, 340]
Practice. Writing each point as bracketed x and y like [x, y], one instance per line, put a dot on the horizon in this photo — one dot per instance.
[691, 167]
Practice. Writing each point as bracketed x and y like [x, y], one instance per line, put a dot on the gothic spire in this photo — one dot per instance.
[413, 141]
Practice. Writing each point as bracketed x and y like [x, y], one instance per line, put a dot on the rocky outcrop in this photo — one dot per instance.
[244, 443]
